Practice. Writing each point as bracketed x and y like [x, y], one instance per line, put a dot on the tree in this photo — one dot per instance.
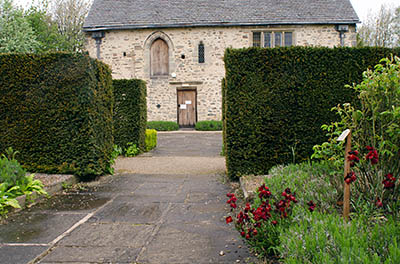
[16, 34]
[44, 28]
[380, 29]
[69, 15]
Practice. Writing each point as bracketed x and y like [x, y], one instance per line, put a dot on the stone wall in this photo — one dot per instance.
[128, 54]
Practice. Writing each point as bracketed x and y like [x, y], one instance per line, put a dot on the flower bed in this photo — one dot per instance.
[304, 222]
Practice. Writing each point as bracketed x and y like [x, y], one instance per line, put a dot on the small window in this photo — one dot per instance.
[278, 39]
[201, 53]
[288, 39]
[272, 39]
[256, 39]
[267, 40]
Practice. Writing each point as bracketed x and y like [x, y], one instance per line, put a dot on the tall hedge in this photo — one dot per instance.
[56, 110]
[277, 99]
[130, 112]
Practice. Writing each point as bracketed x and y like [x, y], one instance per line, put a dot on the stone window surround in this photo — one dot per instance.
[201, 59]
[273, 30]
[171, 54]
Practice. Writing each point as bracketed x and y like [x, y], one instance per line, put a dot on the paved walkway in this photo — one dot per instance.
[164, 207]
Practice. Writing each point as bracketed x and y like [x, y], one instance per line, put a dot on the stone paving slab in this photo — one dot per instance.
[194, 243]
[119, 254]
[37, 228]
[109, 235]
[124, 209]
[195, 213]
[189, 145]
[19, 254]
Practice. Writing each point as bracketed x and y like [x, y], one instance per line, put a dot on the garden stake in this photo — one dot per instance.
[346, 199]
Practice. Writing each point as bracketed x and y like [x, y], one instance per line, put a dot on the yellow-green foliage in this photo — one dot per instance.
[56, 110]
[151, 139]
[277, 99]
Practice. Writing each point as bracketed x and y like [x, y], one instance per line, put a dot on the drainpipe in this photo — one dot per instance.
[342, 29]
[98, 36]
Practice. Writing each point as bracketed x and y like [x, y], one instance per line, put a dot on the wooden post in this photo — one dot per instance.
[346, 199]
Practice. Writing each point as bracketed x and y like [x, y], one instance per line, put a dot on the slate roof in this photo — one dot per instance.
[130, 14]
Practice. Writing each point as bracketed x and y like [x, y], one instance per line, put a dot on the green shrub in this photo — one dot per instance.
[323, 238]
[151, 139]
[131, 150]
[163, 125]
[310, 182]
[209, 126]
[375, 123]
[223, 106]
[14, 182]
[277, 100]
[130, 113]
[10, 169]
[56, 110]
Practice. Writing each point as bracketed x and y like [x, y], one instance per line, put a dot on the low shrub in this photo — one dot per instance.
[163, 125]
[375, 135]
[14, 182]
[326, 238]
[310, 181]
[131, 150]
[151, 139]
[209, 126]
[117, 150]
[10, 169]
[261, 223]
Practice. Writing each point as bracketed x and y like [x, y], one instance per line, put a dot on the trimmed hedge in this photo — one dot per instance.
[130, 113]
[209, 126]
[151, 139]
[56, 110]
[163, 125]
[277, 99]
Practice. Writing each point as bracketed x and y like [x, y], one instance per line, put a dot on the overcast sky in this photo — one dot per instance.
[362, 7]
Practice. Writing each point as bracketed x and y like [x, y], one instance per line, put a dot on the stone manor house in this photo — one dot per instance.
[177, 46]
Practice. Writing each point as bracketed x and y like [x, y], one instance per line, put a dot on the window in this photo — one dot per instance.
[201, 53]
[272, 39]
[256, 39]
[159, 58]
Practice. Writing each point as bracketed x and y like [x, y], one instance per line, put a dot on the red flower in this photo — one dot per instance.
[242, 233]
[274, 222]
[372, 155]
[233, 205]
[389, 182]
[255, 232]
[229, 219]
[351, 177]
[230, 195]
[378, 203]
[247, 236]
[354, 152]
[311, 205]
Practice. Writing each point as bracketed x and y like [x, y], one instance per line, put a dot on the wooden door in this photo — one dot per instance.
[187, 114]
[159, 58]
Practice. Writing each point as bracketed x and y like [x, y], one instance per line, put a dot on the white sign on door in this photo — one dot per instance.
[183, 106]
[188, 102]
